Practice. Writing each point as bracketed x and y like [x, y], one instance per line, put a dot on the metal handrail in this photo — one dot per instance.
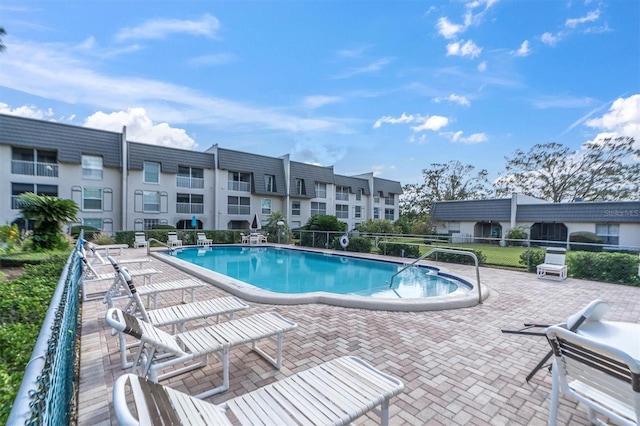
[159, 242]
[442, 250]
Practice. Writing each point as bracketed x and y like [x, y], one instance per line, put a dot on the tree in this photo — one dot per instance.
[272, 226]
[49, 214]
[445, 182]
[321, 222]
[377, 226]
[603, 170]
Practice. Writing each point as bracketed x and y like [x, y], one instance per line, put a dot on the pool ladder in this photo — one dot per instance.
[443, 250]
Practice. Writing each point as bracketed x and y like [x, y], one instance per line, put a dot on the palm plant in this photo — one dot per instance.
[49, 214]
[272, 226]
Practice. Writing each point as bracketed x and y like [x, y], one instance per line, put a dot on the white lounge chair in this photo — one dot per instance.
[203, 240]
[172, 240]
[244, 239]
[149, 290]
[91, 275]
[107, 247]
[98, 260]
[159, 350]
[604, 378]
[554, 264]
[334, 393]
[140, 240]
[175, 316]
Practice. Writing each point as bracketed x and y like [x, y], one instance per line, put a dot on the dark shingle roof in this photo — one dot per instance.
[258, 166]
[169, 158]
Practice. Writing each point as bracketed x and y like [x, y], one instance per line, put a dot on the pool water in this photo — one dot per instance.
[296, 271]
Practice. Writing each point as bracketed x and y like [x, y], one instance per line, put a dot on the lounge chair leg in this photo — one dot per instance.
[384, 413]
[555, 394]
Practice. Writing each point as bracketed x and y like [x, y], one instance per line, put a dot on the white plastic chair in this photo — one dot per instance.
[203, 240]
[140, 240]
[172, 240]
[554, 264]
[602, 377]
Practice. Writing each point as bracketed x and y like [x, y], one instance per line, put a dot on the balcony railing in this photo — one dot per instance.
[189, 208]
[245, 210]
[34, 169]
[239, 186]
[189, 182]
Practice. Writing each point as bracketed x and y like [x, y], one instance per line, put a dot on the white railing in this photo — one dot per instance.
[189, 182]
[239, 186]
[189, 208]
[245, 210]
[32, 168]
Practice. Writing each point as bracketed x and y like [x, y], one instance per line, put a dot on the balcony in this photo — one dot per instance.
[189, 208]
[189, 182]
[31, 168]
[235, 185]
[243, 210]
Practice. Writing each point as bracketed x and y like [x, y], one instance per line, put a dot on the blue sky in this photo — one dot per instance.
[383, 86]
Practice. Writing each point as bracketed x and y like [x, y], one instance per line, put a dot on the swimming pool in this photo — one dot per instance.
[268, 274]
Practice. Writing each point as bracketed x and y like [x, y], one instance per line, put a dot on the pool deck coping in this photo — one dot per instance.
[461, 298]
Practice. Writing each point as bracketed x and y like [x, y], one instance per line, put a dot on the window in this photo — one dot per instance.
[300, 187]
[295, 208]
[92, 167]
[609, 232]
[40, 189]
[321, 190]
[342, 193]
[96, 223]
[190, 203]
[295, 224]
[34, 162]
[152, 173]
[357, 212]
[238, 205]
[92, 199]
[150, 223]
[318, 208]
[269, 183]
[342, 211]
[376, 199]
[189, 177]
[389, 201]
[265, 205]
[239, 181]
[389, 214]
[376, 212]
[151, 201]
[359, 195]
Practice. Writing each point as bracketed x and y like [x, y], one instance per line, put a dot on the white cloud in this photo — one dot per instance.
[471, 139]
[28, 111]
[460, 100]
[622, 119]
[318, 101]
[434, 122]
[482, 66]
[460, 48]
[140, 128]
[420, 140]
[523, 50]
[404, 118]
[366, 69]
[353, 53]
[448, 29]
[207, 26]
[550, 39]
[592, 16]
[55, 71]
[545, 102]
[214, 59]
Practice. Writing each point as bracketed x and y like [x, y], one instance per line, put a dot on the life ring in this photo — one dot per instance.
[344, 241]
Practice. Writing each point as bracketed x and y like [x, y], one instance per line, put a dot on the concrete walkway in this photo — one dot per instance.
[457, 366]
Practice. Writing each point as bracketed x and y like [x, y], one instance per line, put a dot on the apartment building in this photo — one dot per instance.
[124, 185]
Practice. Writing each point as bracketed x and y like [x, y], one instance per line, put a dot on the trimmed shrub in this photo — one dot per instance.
[516, 234]
[460, 258]
[532, 258]
[620, 268]
[585, 237]
[356, 244]
[89, 231]
[398, 249]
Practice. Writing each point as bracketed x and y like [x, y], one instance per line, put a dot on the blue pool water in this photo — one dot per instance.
[296, 271]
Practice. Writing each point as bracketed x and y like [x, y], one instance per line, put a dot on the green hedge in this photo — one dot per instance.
[23, 306]
[460, 258]
[188, 236]
[397, 249]
[356, 244]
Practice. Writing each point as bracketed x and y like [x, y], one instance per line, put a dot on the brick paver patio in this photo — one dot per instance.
[457, 366]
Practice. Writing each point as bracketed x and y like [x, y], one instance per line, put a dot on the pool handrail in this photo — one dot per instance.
[159, 242]
[443, 250]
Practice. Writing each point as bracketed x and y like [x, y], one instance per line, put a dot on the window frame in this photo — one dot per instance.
[320, 208]
[146, 172]
[321, 190]
[263, 205]
[145, 203]
[90, 169]
[342, 211]
[85, 199]
[296, 211]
